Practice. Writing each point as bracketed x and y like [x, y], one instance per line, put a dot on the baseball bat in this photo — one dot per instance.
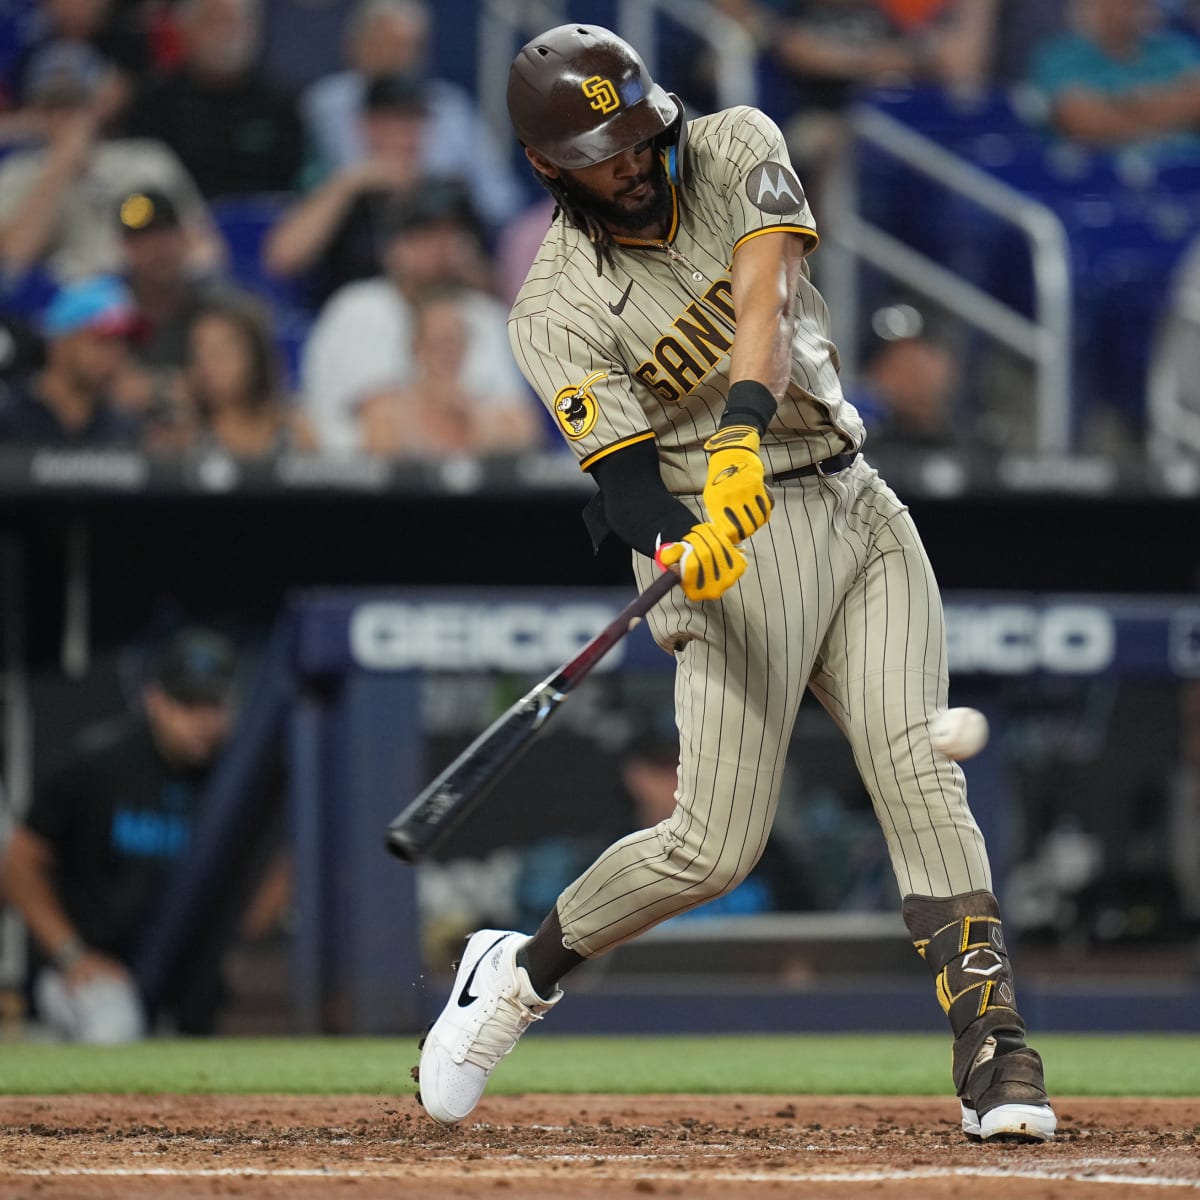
[458, 790]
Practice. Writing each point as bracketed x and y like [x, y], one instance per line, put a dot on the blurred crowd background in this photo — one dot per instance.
[274, 226]
[276, 241]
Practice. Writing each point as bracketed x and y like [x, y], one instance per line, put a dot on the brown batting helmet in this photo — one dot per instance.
[578, 94]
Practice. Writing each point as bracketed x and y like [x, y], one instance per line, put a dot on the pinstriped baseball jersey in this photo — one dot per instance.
[642, 351]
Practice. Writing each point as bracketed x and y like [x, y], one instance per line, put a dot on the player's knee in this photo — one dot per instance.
[705, 876]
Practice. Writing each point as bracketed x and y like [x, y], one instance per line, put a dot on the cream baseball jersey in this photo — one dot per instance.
[641, 350]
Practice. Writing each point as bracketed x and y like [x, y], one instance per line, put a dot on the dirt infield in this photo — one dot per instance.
[622, 1148]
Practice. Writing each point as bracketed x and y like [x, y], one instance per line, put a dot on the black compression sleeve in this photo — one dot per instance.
[637, 505]
[749, 403]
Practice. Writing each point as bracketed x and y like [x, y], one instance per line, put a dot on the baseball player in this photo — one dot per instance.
[671, 327]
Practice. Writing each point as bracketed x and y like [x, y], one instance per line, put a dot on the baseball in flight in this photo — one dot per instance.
[959, 733]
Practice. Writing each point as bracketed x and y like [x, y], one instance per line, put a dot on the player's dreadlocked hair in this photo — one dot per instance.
[600, 238]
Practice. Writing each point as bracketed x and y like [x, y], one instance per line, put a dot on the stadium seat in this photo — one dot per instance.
[245, 220]
[1129, 220]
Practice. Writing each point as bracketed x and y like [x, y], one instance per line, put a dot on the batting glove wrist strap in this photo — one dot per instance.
[735, 493]
[708, 563]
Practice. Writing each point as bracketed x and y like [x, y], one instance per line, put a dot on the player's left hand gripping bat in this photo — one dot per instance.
[466, 781]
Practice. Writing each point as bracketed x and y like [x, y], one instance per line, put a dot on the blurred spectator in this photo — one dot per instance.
[88, 868]
[334, 232]
[389, 37]
[831, 46]
[1022, 26]
[166, 296]
[1117, 79]
[361, 342]
[517, 247]
[302, 41]
[829, 49]
[22, 350]
[1173, 378]
[906, 385]
[236, 132]
[434, 415]
[57, 201]
[235, 382]
[111, 30]
[649, 776]
[69, 402]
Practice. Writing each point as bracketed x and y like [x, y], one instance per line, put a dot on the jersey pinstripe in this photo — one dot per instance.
[642, 350]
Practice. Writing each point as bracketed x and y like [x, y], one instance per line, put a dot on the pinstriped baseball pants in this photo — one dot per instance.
[838, 597]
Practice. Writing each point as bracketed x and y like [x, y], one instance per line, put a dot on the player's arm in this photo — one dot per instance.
[26, 874]
[27, 883]
[640, 510]
[766, 272]
[1091, 116]
[637, 506]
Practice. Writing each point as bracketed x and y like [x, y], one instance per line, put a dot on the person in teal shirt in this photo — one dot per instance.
[1118, 80]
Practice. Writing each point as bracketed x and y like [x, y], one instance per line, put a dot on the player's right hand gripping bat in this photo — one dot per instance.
[466, 781]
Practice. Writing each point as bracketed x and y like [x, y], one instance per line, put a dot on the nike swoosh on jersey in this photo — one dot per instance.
[465, 997]
[619, 308]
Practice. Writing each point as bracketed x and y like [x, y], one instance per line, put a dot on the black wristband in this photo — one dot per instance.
[749, 403]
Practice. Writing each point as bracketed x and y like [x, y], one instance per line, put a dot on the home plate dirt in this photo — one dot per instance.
[620, 1147]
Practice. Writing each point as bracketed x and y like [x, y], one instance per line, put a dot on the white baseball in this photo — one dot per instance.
[959, 733]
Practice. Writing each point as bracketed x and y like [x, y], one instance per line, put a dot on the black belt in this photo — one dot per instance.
[827, 466]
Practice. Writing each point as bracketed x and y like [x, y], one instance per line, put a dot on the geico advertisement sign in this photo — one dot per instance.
[1014, 639]
[457, 637]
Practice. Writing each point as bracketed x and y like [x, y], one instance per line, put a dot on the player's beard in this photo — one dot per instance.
[647, 217]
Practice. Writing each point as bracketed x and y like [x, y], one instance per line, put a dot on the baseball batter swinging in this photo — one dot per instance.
[671, 327]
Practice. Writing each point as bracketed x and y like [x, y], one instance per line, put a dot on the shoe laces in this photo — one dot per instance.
[499, 1031]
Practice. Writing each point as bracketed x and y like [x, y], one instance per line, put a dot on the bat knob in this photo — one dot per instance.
[402, 846]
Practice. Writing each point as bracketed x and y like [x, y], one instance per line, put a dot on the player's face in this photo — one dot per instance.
[627, 193]
[189, 735]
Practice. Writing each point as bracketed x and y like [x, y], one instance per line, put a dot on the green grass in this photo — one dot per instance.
[900, 1064]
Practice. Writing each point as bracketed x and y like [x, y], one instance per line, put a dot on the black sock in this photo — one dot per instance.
[545, 958]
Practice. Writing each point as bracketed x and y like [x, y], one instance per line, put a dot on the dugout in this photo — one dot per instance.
[95, 550]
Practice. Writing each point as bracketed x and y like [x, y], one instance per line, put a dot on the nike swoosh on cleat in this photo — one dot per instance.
[465, 998]
[619, 308]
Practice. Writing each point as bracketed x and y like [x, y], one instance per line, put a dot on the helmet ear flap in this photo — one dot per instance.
[673, 144]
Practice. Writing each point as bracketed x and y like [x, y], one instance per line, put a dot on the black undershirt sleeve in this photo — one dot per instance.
[637, 506]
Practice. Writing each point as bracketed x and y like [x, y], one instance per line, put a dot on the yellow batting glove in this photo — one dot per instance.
[708, 563]
[735, 494]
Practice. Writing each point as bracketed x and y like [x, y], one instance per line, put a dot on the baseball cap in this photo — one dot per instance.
[396, 93]
[63, 73]
[195, 666]
[431, 202]
[101, 303]
[147, 209]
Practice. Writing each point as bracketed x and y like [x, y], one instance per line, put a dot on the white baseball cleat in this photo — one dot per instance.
[491, 1005]
[1011, 1123]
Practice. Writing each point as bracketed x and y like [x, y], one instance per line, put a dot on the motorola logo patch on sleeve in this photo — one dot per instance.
[773, 188]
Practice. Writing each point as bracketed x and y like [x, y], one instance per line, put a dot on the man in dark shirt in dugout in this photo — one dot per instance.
[88, 867]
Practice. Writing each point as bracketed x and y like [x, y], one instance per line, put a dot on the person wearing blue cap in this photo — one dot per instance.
[67, 402]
